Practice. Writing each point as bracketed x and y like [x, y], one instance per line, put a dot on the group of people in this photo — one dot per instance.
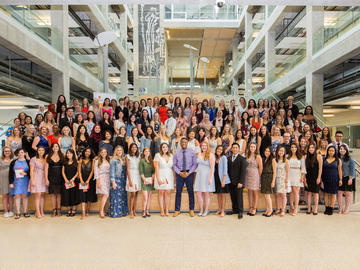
[82, 152]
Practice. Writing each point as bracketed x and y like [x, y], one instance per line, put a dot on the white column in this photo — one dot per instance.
[100, 66]
[124, 65]
[234, 87]
[59, 39]
[270, 60]
[248, 80]
[314, 82]
[248, 27]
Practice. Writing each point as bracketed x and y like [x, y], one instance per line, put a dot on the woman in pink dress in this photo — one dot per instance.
[106, 108]
[37, 180]
[102, 177]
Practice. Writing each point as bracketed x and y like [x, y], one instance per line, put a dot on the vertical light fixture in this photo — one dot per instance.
[191, 48]
[205, 61]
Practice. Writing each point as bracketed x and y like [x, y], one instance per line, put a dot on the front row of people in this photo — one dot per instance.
[71, 182]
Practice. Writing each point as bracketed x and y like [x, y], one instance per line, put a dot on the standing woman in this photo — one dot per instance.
[38, 180]
[313, 164]
[221, 179]
[268, 179]
[322, 148]
[82, 140]
[146, 169]
[199, 112]
[143, 122]
[102, 177]
[332, 178]
[79, 120]
[164, 177]
[181, 121]
[193, 143]
[86, 178]
[66, 142]
[204, 180]
[131, 124]
[19, 180]
[7, 200]
[211, 110]
[325, 135]
[265, 140]
[55, 136]
[256, 120]
[120, 122]
[177, 104]
[54, 179]
[241, 142]
[175, 142]
[245, 124]
[91, 122]
[133, 183]
[95, 138]
[276, 139]
[61, 101]
[227, 140]
[133, 138]
[27, 141]
[201, 135]
[106, 107]
[60, 115]
[219, 122]
[121, 140]
[41, 140]
[118, 195]
[85, 106]
[15, 140]
[297, 174]
[348, 178]
[254, 138]
[69, 193]
[214, 139]
[48, 122]
[106, 124]
[107, 143]
[193, 125]
[96, 109]
[281, 180]
[156, 123]
[223, 109]
[254, 169]
[148, 140]
[161, 138]
[163, 110]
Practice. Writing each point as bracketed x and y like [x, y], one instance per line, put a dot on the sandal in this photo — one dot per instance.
[144, 214]
[68, 213]
[17, 216]
[54, 213]
[27, 215]
[58, 212]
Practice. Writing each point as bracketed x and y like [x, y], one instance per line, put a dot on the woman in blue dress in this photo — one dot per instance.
[118, 195]
[332, 178]
[19, 180]
[42, 140]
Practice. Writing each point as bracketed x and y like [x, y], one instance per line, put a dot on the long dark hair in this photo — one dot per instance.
[78, 134]
[92, 154]
[74, 161]
[297, 153]
[335, 155]
[311, 158]
[266, 160]
[59, 104]
[347, 154]
[51, 153]
[222, 153]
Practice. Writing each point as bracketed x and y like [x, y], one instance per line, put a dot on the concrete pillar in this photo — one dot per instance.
[270, 60]
[136, 49]
[59, 39]
[314, 82]
[124, 64]
[248, 79]
[100, 67]
[234, 88]
[235, 51]
[248, 29]
[315, 91]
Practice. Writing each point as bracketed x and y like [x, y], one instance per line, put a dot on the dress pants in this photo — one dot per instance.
[189, 182]
[236, 195]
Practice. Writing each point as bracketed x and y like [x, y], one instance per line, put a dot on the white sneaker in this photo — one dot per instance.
[10, 214]
[6, 214]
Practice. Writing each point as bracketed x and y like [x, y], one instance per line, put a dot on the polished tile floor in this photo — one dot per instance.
[301, 242]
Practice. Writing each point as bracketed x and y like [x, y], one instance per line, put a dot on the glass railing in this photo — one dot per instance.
[255, 31]
[288, 63]
[198, 12]
[325, 35]
[36, 22]
[270, 10]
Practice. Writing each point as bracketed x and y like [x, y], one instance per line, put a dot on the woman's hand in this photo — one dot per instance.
[11, 185]
[350, 181]
[340, 183]
[130, 183]
[114, 186]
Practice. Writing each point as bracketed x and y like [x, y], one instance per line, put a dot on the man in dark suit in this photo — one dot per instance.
[68, 120]
[236, 171]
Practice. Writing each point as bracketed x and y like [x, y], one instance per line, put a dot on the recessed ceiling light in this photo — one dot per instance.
[329, 115]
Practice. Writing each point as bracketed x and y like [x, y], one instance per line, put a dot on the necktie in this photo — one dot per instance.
[150, 113]
[338, 146]
[233, 158]
[184, 162]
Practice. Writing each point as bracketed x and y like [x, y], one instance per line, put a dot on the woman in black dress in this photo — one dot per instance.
[54, 178]
[265, 140]
[268, 179]
[106, 124]
[222, 179]
[121, 140]
[332, 178]
[70, 194]
[86, 177]
[82, 140]
[313, 165]
[95, 138]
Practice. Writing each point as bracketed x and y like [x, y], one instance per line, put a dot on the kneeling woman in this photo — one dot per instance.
[19, 180]
[146, 168]
[133, 182]
[70, 194]
[118, 195]
[102, 176]
[221, 178]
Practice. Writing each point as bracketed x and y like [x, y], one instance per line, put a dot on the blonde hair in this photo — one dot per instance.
[115, 156]
[66, 128]
[208, 150]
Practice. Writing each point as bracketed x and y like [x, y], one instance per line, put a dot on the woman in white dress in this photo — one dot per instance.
[193, 143]
[204, 181]
[282, 184]
[297, 173]
[164, 177]
[133, 182]
[214, 139]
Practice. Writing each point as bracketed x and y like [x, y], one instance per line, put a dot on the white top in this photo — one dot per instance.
[170, 125]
